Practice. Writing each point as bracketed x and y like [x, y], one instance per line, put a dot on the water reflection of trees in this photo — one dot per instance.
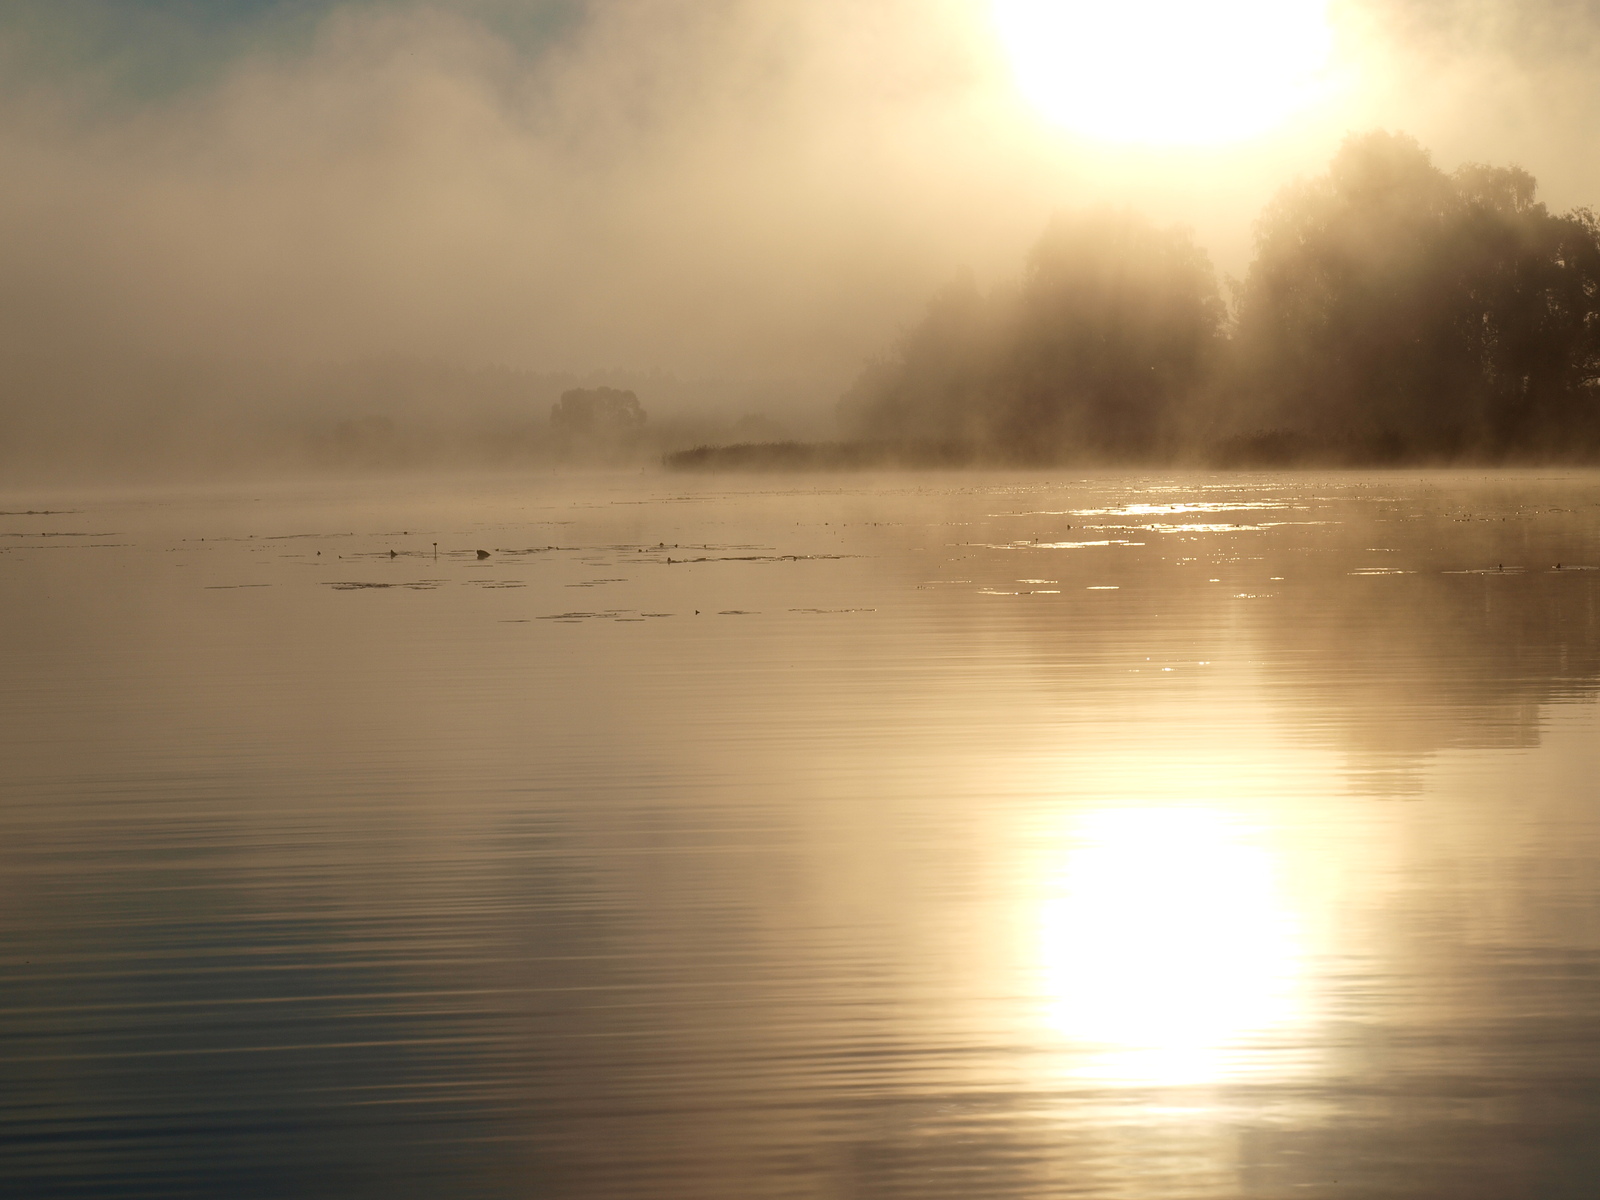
[1396, 624]
[1403, 665]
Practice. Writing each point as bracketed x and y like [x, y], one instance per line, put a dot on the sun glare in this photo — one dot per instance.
[1177, 72]
[1166, 946]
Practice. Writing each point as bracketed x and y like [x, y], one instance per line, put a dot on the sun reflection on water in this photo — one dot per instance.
[1165, 947]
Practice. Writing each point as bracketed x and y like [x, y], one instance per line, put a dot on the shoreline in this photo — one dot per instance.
[1270, 451]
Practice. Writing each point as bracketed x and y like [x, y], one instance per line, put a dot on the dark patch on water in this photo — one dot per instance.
[351, 585]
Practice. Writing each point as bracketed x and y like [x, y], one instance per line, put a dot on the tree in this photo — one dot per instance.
[1112, 332]
[1394, 310]
[601, 412]
[1119, 327]
[940, 383]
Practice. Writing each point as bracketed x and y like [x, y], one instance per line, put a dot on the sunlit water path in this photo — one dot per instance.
[921, 836]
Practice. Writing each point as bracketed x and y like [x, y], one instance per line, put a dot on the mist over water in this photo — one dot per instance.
[465, 734]
[946, 834]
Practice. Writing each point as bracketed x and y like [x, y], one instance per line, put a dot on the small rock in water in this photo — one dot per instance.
[393, 553]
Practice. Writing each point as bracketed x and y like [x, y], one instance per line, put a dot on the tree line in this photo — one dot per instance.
[1392, 313]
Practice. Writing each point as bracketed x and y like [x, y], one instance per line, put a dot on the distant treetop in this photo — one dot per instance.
[1421, 314]
[597, 412]
[1392, 312]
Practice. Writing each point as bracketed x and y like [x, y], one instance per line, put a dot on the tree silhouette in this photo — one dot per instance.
[1396, 311]
[1392, 312]
[600, 412]
[1112, 332]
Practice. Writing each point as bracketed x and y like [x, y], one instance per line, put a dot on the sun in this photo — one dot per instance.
[1174, 72]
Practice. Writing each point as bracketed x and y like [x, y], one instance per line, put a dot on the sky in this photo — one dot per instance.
[761, 189]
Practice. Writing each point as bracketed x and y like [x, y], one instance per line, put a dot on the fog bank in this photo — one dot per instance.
[228, 216]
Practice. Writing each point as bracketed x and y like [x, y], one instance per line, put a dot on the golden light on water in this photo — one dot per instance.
[1165, 946]
[1167, 71]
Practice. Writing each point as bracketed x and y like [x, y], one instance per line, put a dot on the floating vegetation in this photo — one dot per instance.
[351, 585]
[223, 587]
[832, 610]
[66, 545]
[768, 558]
[609, 614]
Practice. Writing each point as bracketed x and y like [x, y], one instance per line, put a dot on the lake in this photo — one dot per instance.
[928, 835]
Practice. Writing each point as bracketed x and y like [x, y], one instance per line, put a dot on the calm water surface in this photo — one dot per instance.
[926, 836]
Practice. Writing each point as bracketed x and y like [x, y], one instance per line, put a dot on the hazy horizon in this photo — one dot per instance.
[745, 189]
